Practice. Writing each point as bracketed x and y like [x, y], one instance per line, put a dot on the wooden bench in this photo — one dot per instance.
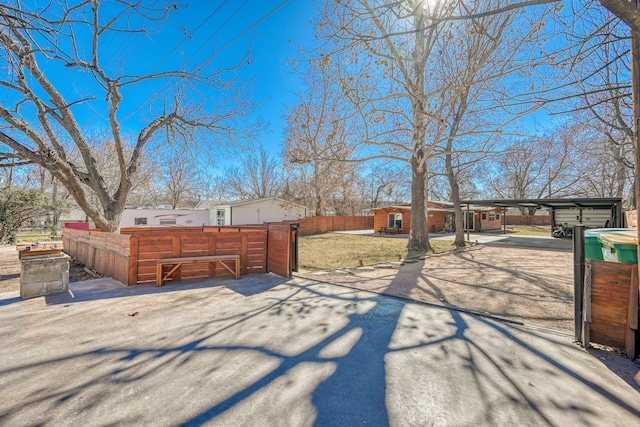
[389, 230]
[177, 262]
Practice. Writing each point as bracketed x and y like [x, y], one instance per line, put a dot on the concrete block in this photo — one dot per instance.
[43, 275]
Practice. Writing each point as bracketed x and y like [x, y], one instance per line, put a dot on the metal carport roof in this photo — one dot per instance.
[568, 203]
[553, 204]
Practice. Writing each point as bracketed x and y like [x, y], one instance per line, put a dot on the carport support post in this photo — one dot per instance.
[578, 277]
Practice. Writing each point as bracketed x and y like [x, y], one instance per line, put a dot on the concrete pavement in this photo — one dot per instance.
[265, 351]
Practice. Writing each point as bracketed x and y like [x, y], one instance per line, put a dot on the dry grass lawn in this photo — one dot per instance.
[332, 251]
[530, 230]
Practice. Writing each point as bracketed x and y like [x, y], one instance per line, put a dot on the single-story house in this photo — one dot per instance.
[255, 211]
[441, 218]
[156, 217]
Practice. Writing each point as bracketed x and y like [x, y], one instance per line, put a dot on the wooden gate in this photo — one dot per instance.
[282, 252]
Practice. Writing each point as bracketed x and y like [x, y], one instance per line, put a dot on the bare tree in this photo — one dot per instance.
[625, 10]
[317, 144]
[486, 56]
[600, 99]
[257, 176]
[179, 181]
[38, 120]
[388, 59]
[387, 183]
[538, 168]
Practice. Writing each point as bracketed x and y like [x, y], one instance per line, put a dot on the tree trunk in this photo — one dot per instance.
[455, 198]
[419, 234]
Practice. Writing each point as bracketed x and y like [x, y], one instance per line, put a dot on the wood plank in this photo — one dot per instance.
[632, 315]
[609, 302]
[133, 261]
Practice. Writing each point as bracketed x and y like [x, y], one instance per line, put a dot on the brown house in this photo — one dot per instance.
[441, 218]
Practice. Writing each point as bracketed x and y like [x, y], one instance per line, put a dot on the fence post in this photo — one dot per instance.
[133, 260]
[244, 253]
[578, 278]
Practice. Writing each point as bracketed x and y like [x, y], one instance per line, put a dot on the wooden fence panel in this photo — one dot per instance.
[106, 253]
[131, 256]
[610, 283]
[328, 224]
[279, 256]
[154, 243]
[528, 220]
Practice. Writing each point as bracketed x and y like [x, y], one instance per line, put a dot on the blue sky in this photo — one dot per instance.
[273, 42]
[272, 28]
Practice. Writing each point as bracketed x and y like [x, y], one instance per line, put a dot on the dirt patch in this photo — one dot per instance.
[525, 285]
[10, 270]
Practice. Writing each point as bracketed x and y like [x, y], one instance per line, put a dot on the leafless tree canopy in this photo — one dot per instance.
[427, 79]
[257, 175]
[45, 47]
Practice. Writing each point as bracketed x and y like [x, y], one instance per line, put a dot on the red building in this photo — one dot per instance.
[441, 218]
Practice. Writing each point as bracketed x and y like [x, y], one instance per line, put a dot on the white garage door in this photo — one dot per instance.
[594, 218]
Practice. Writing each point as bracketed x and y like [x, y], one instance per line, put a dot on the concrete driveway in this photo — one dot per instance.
[499, 239]
[263, 351]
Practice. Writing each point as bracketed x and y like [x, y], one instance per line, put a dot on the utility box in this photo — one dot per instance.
[43, 272]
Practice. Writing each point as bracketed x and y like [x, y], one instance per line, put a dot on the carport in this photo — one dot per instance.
[591, 212]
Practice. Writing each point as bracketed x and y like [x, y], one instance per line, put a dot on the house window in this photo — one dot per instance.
[219, 216]
[395, 221]
[492, 216]
[484, 215]
[140, 221]
[167, 221]
[497, 216]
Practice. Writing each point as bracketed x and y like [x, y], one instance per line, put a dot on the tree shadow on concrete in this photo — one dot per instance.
[107, 288]
[349, 335]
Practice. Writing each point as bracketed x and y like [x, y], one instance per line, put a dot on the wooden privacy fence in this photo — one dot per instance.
[528, 219]
[282, 256]
[148, 245]
[106, 253]
[610, 305]
[328, 224]
[131, 257]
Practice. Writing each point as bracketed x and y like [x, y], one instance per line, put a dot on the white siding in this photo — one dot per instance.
[154, 216]
[265, 210]
[594, 218]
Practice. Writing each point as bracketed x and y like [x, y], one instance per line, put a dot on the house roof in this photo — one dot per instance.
[208, 204]
[436, 209]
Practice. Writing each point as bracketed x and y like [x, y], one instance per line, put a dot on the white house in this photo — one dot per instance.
[256, 211]
[133, 217]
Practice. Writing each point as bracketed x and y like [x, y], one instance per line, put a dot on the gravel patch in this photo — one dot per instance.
[532, 286]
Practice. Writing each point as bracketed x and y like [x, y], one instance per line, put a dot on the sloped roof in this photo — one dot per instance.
[208, 204]
[437, 209]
